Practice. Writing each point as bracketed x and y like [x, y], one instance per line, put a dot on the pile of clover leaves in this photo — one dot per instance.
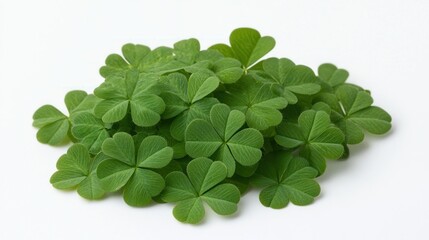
[192, 127]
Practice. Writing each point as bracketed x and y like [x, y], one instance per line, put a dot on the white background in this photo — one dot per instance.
[50, 47]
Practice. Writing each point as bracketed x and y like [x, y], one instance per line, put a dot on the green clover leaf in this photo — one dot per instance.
[187, 100]
[223, 138]
[130, 94]
[352, 112]
[89, 131]
[317, 137]
[54, 125]
[76, 169]
[285, 178]
[187, 50]
[228, 70]
[332, 75]
[142, 59]
[247, 46]
[294, 79]
[132, 171]
[201, 184]
[256, 100]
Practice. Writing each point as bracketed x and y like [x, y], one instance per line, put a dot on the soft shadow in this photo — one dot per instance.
[336, 167]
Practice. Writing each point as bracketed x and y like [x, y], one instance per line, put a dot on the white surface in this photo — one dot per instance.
[50, 47]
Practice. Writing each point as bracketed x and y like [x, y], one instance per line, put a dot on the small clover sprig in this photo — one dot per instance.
[200, 127]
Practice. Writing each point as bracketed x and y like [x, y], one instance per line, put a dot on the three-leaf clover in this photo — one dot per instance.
[315, 135]
[228, 70]
[76, 169]
[142, 59]
[132, 170]
[258, 101]
[293, 79]
[247, 46]
[90, 131]
[352, 112]
[187, 100]
[55, 125]
[332, 75]
[222, 139]
[201, 184]
[130, 93]
[285, 178]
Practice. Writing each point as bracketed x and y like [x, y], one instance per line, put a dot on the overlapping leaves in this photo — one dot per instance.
[187, 100]
[133, 93]
[54, 126]
[134, 172]
[285, 178]
[258, 101]
[77, 169]
[352, 111]
[315, 135]
[223, 139]
[201, 184]
[199, 127]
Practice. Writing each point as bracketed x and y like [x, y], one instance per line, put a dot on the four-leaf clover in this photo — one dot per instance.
[133, 171]
[222, 139]
[285, 178]
[200, 184]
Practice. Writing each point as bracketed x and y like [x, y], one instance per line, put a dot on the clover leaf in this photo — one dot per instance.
[352, 112]
[201, 184]
[187, 100]
[55, 125]
[76, 169]
[294, 79]
[258, 101]
[186, 51]
[285, 178]
[228, 70]
[90, 131]
[132, 171]
[332, 75]
[223, 138]
[317, 137]
[198, 126]
[247, 46]
[142, 59]
[130, 93]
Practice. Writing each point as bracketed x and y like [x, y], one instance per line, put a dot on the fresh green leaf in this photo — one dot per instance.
[202, 183]
[133, 171]
[285, 178]
[76, 169]
[316, 136]
[256, 100]
[223, 140]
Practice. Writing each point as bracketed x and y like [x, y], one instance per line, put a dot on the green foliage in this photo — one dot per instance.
[223, 140]
[201, 184]
[134, 172]
[77, 169]
[198, 127]
[285, 178]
